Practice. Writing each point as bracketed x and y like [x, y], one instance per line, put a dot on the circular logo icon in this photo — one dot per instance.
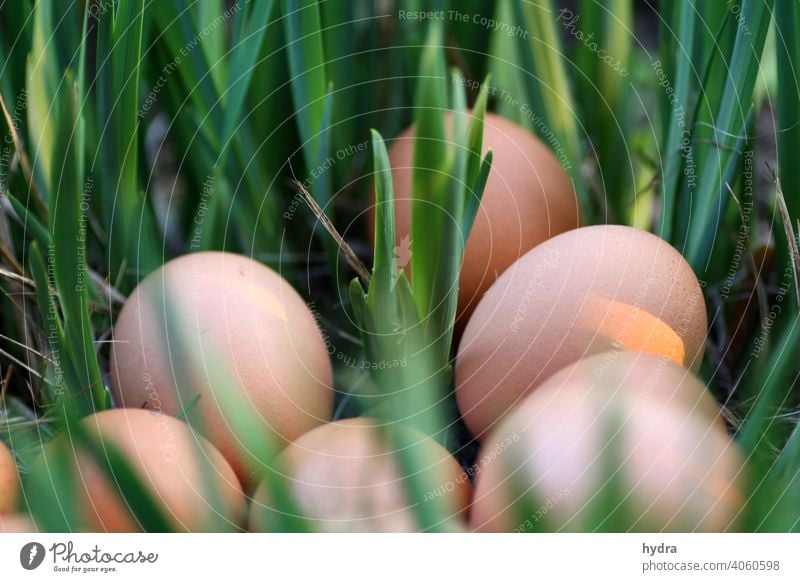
[31, 555]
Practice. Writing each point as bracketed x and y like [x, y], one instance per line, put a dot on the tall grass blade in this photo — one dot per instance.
[677, 111]
[787, 46]
[128, 220]
[730, 126]
[310, 89]
[69, 228]
[602, 89]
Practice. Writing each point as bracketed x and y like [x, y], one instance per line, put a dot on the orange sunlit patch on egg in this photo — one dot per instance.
[633, 328]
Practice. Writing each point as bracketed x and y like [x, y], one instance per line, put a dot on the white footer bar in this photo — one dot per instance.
[414, 558]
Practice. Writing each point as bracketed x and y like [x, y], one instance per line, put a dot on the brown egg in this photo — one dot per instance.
[631, 423]
[583, 292]
[192, 482]
[9, 480]
[16, 523]
[528, 198]
[343, 478]
[208, 311]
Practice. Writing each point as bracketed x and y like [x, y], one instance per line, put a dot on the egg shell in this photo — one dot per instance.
[9, 480]
[344, 478]
[16, 523]
[220, 326]
[192, 482]
[672, 462]
[583, 292]
[528, 198]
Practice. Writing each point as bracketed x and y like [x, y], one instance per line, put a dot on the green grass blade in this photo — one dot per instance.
[384, 269]
[760, 430]
[313, 100]
[16, 23]
[127, 217]
[243, 57]
[52, 496]
[602, 89]
[56, 384]
[42, 86]
[302, 27]
[196, 106]
[508, 69]
[533, 85]
[776, 506]
[478, 167]
[32, 225]
[676, 114]
[787, 32]
[69, 255]
[475, 136]
[214, 43]
[322, 190]
[730, 124]
[450, 201]
[175, 29]
[122, 478]
[346, 71]
[550, 85]
[431, 169]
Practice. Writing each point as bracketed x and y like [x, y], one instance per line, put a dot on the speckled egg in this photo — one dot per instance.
[210, 330]
[528, 198]
[636, 424]
[583, 292]
[192, 483]
[344, 478]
